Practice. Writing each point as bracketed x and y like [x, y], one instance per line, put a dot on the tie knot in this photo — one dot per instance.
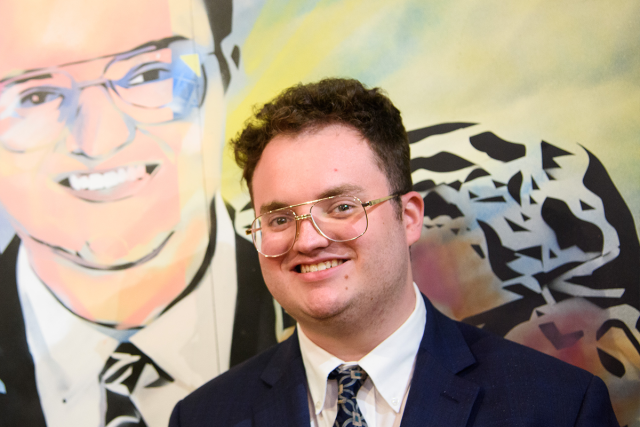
[125, 365]
[350, 378]
[119, 378]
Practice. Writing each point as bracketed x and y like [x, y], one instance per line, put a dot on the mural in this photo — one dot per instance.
[119, 288]
[126, 280]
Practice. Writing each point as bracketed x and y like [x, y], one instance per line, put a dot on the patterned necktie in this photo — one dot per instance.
[119, 378]
[350, 378]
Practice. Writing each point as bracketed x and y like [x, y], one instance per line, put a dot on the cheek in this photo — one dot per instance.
[269, 268]
[181, 144]
[23, 188]
[172, 137]
[385, 253]
[273, 277]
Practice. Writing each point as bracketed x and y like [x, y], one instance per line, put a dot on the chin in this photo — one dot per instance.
[325, 309]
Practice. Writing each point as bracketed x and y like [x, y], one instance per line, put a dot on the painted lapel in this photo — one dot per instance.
[438, 397]
[286, 403]
[19, 403]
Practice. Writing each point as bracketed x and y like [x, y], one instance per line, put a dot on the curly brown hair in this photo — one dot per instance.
[308, 107]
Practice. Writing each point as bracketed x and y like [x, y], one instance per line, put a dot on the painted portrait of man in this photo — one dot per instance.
[119, 289]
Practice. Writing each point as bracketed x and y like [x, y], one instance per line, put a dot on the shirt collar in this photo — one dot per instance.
[389, 365]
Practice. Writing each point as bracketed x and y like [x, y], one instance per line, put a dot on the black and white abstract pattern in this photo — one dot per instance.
[530, 239]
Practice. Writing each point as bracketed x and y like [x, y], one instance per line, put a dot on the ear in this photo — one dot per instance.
[412, 215]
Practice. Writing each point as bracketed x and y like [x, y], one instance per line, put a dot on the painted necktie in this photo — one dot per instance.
[350, 379]
[119, 379]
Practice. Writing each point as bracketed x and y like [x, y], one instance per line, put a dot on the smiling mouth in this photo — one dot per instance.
[324, 265]
[111, 185]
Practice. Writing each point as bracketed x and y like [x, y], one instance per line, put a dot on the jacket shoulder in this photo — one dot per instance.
[524, 384]
[490, 349]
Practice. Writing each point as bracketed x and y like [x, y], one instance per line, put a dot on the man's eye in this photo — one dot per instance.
[149, 75]
[342, 209]
[39, 97]
[279, 221]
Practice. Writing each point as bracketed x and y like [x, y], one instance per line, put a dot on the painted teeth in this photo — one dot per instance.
[107, 180]
[320, 266]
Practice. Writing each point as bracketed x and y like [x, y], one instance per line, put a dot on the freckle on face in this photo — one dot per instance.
[346, 276]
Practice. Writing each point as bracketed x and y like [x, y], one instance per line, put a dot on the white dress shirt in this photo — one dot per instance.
[389, 366]
[191, 342]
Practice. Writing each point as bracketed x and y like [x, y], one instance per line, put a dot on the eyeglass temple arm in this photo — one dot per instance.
[376, 201]
[250, 230]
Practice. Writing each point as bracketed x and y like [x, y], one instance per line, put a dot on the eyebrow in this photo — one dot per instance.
[272, 206]
[341, 190]
[35, 77]
[154, 44]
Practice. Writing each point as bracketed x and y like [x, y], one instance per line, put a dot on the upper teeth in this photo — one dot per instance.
[103, 181]
[320, 266]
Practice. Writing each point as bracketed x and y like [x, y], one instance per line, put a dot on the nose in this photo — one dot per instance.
[309, 238]
[99, 128]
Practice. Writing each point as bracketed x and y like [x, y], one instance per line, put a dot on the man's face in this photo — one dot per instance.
[101, 167]
[373, 271]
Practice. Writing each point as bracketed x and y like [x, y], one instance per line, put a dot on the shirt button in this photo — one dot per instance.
[317, 405]
[394, 401]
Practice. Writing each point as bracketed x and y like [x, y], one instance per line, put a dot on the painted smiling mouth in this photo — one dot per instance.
[109, 185]
[97, 181]
[324, 265]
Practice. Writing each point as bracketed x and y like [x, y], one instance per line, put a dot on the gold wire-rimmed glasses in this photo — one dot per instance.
[337, 218]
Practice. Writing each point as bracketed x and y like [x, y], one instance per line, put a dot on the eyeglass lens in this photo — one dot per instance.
[338, 218]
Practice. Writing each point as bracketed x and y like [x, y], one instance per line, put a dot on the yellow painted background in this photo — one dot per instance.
[566, 71]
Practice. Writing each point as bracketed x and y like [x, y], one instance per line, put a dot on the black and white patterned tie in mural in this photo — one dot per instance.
[119, 379]
[350, 379]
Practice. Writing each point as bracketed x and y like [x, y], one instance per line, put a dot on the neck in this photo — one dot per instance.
[351, 340]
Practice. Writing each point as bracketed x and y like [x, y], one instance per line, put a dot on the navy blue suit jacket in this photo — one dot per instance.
[463, 377]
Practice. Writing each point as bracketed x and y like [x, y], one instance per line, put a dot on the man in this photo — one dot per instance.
[113, 305]
[327, 165]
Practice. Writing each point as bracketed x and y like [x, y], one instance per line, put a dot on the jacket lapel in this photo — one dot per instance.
[438, 397]
[286, 402]
[19, 402]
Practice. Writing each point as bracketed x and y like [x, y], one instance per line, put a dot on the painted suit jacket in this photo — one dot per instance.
[253, 330]
[463, 377]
